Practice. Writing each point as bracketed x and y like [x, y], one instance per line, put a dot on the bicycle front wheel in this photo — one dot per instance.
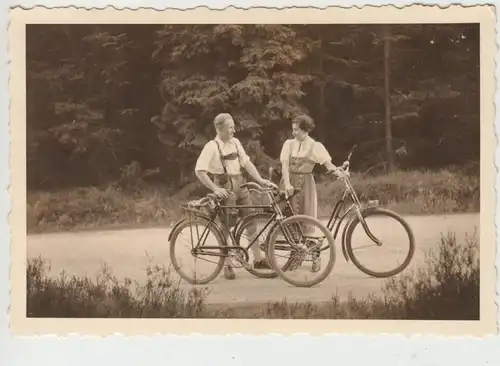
[295, 250]
[197, 243]
[394, 250]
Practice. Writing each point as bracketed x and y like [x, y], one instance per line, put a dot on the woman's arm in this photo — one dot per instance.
[322, 156]
[285, 163]
[329, 165]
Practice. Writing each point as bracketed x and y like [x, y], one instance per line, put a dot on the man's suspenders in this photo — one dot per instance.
[221, 157]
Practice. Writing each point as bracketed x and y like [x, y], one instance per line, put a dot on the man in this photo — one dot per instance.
[223, 157]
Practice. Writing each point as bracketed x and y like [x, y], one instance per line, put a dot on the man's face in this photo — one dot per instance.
[226, 130]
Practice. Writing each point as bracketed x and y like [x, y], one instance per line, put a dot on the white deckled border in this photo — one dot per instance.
[413, 14]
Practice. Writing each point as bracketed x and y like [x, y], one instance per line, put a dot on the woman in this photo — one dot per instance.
[298, 158]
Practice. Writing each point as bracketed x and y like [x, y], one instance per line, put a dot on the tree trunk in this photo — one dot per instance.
[387, 74]
[182, 175]
[320, 123]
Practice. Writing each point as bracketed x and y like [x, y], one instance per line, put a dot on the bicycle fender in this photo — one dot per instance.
[177, 224]
[344, 234]
[373, 208]
[346, 229]
[243, 220]
[181, 221]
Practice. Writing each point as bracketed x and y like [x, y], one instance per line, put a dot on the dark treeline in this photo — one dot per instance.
[111, 102]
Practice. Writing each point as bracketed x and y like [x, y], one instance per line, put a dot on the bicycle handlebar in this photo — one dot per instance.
[351, 151]
[346, 164]
[257, 187]
[252, 186]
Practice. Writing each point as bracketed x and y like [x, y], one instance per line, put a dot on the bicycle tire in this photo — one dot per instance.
[243, 221]
[220, 240]
[385, 212]
[239, 232]
[272, 241]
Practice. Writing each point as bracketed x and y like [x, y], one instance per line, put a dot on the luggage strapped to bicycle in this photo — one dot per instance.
[194, 207]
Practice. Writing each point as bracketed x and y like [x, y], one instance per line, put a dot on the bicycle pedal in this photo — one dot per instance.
[295, 261]
[236, 264]
[294, 265]
[238, 261]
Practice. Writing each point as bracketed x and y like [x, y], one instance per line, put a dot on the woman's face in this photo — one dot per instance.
[298, 133]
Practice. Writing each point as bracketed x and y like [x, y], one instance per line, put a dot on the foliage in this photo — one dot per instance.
[81, 297]
[103, 97]
[90, 208]
[446, 289]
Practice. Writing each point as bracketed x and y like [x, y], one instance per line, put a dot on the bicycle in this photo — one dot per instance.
[239, 254]
[360, 216]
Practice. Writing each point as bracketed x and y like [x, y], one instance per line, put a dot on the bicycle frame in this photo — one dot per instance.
[333, 225]
[199, 248]
[348, 192]
[336, 220]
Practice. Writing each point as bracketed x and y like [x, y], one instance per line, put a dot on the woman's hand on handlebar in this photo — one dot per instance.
[339, 172]
[289, 190]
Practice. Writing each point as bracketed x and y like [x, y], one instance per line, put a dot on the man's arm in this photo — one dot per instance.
[201, 169]
[249, 166]
[254, 173]
[205, 180]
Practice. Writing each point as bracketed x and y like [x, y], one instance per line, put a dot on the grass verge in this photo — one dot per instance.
[447, 288]
[408, 193]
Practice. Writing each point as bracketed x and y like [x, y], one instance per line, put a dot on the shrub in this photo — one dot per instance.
[406, 192]
[447, 288]
[93, 207]
[80, 297]
[413, 192]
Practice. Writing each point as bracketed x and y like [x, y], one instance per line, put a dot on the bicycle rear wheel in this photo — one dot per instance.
[196, 232]
[260, 219]
[302, 237]
[387, 222]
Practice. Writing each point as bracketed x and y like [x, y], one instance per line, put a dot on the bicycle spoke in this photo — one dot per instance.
[206, 265]
[262, 222]
[305, 265]
[394, 249]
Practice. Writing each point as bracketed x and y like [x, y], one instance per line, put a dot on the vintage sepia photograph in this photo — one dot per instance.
[257, 169]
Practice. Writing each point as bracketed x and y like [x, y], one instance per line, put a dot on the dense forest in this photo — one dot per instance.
[118, 102]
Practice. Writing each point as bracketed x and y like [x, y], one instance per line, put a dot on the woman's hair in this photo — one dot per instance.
[305, 122]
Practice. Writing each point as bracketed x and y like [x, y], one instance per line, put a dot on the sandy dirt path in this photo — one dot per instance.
[127, 253]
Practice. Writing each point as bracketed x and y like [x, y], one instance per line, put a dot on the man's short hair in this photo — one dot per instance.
[221, 118]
